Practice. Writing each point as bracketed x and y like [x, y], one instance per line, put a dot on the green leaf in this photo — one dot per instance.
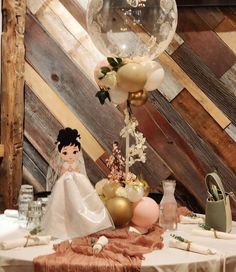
[36, 230]
[105, 70]
[112, 62]
[204, 226]
[181, 239]
[214, 192]
[102, 96]
[192, 215]
[119, 60]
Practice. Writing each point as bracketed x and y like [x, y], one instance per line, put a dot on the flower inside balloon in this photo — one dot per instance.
[122, 80]
[132, 29]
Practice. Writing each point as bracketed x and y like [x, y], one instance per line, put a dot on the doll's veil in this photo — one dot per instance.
[55, 166]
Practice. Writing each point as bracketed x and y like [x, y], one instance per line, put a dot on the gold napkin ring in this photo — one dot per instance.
[188, 245]
[215, 234]
[27, 240]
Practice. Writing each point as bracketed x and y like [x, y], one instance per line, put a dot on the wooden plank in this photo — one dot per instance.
[210, 160]
[229, 12]
[76, 11]
[41, 134]
[206, 127]
[231, 131]
[36, 159]
[151, 123]
[37, 6]
[12, 99]
[1, 150]
[212, 16]
[175, 44]
[30, 179]
[39, 179]
[226, 30]
[171, 85]
[70, 36]
[206, 80]
[229, 79]
[72, 85]
[61, 112]
[194, 89]
[196, 34]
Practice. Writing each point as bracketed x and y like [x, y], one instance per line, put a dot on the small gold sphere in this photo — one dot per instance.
[137, 99]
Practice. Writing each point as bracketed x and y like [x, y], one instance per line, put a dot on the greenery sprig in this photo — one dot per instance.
[192, 215]
[115, 64]
[36, 230]
[204, 226]
[179, 238]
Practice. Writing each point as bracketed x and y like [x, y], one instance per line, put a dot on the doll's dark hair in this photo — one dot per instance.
[68, 136]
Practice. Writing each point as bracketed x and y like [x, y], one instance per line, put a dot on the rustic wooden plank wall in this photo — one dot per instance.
[189, 123]
[12, 99]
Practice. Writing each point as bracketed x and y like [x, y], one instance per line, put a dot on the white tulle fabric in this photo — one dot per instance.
[74, 208]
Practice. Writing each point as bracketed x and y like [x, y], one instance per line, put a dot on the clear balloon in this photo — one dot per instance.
[134, 29]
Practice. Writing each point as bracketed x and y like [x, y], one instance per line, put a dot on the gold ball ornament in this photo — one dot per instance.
[137, 99]
[145, 185]
[120, 210]
[131, 77]
[109, 189]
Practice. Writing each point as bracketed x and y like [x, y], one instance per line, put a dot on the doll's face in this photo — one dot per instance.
[69, 153]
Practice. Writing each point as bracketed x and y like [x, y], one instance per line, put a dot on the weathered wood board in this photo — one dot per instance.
[205, 126]
[12, 99]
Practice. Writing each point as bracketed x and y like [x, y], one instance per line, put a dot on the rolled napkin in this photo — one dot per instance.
[214, 234]
[101, 242]
[11, 213]
[191, 220]
[189, 246]
[138, 230]
[29, 240]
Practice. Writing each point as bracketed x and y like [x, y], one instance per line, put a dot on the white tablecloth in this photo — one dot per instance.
[165, 260]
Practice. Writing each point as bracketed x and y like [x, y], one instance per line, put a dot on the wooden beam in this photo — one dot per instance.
[1, 150]
[12, 98]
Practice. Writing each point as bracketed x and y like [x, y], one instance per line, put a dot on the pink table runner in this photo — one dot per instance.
[124, 252]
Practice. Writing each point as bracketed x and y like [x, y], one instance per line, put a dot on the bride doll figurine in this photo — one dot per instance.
[74, 208]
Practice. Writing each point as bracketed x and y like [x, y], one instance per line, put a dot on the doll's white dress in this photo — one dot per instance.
[74, 208]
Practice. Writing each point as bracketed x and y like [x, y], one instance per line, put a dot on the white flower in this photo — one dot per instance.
[121, 191]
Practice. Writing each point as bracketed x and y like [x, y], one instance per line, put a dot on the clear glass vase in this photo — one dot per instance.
[168, 206]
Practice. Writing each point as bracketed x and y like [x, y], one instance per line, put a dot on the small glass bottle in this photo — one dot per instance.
[34, 214]
[168, 206]
[26, 195]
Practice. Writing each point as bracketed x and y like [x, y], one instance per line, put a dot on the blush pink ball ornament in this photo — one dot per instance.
[145, 212]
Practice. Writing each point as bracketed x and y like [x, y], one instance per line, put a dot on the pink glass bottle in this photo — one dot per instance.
[168, 206]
